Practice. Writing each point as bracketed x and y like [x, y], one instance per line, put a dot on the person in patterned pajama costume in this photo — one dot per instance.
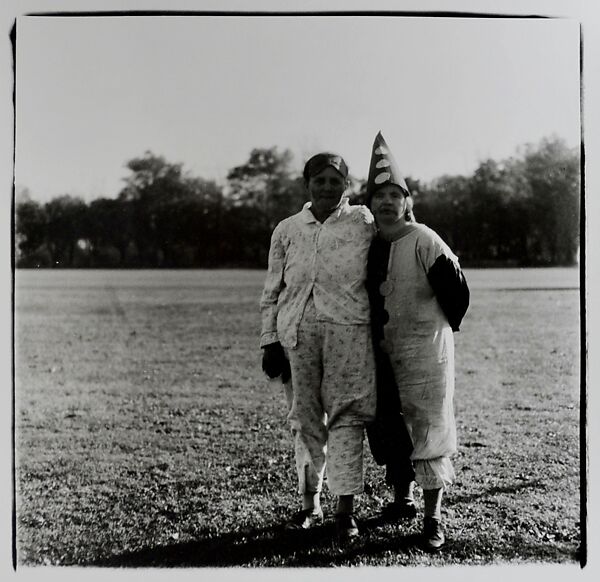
[316, 327]
[418, 298]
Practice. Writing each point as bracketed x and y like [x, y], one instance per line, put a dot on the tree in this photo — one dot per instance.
[520, 221]
[524, 210]
[109, 224]
[202, 223]
[188, 223]
[445, 206]
[65, 226]
[262, 192]
[491, 196]
[267, 183]
[149, 189]
[551, 171]
[30, 230]
[175, 217]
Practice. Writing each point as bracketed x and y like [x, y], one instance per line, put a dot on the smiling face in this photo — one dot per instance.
[388, 204]
[326, 189]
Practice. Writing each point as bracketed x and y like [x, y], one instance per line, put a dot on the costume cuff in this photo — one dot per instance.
[269, 337]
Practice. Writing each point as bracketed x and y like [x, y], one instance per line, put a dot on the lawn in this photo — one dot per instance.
[147, 435]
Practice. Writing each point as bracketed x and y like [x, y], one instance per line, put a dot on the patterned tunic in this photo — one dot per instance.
[328, 260]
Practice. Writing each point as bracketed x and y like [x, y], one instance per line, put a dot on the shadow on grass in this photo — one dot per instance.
[273, 546]
[268, 546]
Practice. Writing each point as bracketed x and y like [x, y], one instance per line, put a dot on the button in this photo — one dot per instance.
[384, 316]
[386, 288]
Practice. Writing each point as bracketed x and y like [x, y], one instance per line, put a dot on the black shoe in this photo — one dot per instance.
[346, 527]
[305, 519]
[398, 510]
[433, 534]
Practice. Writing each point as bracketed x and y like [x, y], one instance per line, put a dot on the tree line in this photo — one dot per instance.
[523, 211]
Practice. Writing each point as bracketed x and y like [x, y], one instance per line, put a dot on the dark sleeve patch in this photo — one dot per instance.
[451, 290]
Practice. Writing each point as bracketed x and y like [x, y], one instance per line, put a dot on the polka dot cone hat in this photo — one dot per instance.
[383, 169]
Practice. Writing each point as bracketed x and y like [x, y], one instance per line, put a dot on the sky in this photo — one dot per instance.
[447, 93]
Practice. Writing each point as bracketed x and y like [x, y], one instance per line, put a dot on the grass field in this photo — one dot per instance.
[146, 434]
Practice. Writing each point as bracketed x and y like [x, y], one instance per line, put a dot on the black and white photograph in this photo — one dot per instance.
[299, 288]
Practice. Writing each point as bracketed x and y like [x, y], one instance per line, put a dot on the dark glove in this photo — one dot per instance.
[274, 362]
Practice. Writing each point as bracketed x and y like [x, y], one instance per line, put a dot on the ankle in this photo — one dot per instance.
[403, 493]
[311, 501]
[432, 499]
[345, 505]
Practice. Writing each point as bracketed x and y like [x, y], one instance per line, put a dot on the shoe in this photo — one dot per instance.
[305, 519]
[433, 534]
[397, 510]
[346, 527]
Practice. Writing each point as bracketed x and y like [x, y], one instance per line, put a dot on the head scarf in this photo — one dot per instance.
[319, 162]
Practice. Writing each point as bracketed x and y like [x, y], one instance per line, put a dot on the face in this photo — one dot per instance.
[326, 189]
[388, 204]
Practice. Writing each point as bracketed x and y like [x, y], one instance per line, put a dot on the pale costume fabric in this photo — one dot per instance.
[331, 399]
[420, 343]
[315, 303]
[328, 260]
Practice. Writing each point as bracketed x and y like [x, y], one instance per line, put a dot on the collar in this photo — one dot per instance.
[407, 228]
[340, 209]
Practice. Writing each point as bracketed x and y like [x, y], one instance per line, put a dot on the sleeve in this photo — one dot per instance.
[273, 286]
[446, 279]
[451, 290]
[365, 216]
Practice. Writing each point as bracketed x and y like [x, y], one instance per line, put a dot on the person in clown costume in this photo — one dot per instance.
[418, 296]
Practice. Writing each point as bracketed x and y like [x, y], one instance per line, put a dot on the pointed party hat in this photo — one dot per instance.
[383, 169]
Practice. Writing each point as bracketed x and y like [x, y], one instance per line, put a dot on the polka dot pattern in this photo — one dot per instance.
[383, 169]
[383, 177]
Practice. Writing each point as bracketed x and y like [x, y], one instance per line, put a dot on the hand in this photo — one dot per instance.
[274, 362]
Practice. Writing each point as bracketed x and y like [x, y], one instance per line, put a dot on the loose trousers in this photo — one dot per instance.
[331, 396]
